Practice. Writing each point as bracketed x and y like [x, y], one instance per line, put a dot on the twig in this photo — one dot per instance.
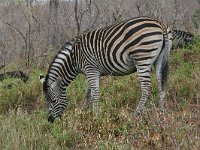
[16, 29]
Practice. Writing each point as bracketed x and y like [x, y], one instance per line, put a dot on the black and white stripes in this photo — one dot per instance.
[181, 38]
[120, 49]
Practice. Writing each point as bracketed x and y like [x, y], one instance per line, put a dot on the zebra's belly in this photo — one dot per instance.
[119, 73]
[119, 70]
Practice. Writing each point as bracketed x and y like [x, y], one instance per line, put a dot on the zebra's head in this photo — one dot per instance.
[55, 95]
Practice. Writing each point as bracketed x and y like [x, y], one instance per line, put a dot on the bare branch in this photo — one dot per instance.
[53, 23]
[97, 15]
[94, 19]
[138, 7]
[76, 16]
[17, 30]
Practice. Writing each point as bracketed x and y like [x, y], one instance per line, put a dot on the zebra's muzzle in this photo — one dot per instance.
[51, 119]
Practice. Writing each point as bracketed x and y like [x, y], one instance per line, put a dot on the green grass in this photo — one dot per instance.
[23, 114]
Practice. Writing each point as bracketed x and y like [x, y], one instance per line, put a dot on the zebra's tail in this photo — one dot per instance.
[161, 63]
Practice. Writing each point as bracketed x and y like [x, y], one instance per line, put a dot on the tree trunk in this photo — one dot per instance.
[53, 27]
[76, 17]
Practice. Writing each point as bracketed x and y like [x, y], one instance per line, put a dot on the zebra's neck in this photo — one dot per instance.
[63, 66]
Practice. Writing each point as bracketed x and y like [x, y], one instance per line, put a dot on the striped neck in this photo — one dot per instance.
[63, 66]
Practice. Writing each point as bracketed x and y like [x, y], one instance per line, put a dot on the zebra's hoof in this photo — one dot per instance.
[138, 112]
[162, 110]
[86, 107]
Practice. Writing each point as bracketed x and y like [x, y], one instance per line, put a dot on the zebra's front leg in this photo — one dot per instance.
[87, 101]
[93, 80]
[145, 81]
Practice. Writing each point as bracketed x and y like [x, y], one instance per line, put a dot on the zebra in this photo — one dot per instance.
[181, 38]
[134, 45]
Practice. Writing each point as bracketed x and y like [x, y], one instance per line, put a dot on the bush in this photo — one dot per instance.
[17, 94]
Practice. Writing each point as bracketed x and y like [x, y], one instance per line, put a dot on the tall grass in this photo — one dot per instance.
[23, 115]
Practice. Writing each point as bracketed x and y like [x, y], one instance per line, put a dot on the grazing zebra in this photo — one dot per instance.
[181, 38]
[120, 49]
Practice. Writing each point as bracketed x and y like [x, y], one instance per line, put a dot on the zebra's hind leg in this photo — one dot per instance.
[145, 80]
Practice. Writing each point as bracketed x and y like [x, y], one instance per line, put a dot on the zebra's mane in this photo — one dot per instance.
[68, 47]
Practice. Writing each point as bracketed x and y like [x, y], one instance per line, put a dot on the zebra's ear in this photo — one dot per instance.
[42, 78]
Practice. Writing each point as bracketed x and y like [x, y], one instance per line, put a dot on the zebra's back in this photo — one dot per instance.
[120, 48]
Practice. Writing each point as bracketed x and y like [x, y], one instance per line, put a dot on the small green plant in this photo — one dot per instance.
[15, 93]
